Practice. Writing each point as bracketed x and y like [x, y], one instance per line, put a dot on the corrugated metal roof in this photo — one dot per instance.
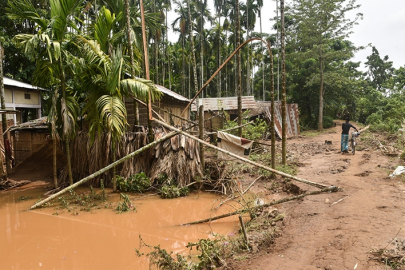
[227, 103]
[168, 92]
[15, 83]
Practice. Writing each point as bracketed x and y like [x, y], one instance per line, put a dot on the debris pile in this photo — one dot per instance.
[394, 257]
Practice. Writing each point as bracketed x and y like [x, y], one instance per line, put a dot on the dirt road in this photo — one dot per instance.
[337, 230]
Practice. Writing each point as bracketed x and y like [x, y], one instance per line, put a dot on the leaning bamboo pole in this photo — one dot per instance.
[328, 189]
[241, 158]
[103, 170]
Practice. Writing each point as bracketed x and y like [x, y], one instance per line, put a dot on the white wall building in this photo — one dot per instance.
[24, 98]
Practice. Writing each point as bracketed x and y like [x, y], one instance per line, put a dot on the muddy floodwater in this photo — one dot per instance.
[51, 238]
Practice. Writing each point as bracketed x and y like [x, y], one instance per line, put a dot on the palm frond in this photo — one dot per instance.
[24, 10]
[113, 114]
[140, 88]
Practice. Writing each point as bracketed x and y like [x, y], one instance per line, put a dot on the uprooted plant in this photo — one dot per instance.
[125, 205]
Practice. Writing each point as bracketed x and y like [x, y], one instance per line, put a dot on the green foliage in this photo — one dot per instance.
[23, 198]
[288, 169]
[171, 191]
[327, 121]
[125, 205]
[252, 131]
[210, 257]
[136, 183]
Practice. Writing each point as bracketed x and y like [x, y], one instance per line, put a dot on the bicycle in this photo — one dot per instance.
[353, 141]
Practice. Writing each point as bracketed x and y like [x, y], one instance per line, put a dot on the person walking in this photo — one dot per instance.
[345, 136]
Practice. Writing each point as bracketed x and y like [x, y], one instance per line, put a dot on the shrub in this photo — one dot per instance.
[170, 191]
[135, 183]
[327, 121]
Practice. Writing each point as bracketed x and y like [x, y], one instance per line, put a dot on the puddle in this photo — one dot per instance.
[102, 239]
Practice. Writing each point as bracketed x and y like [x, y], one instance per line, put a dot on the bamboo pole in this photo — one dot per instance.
[243, 159]
[239, 212]
[201, 130]
[244, 230]
[91, 176]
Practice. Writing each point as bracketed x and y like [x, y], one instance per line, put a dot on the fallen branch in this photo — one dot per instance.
[91, 176]
[338, 201]
[237, 196]
[241, 158]
[329, 189]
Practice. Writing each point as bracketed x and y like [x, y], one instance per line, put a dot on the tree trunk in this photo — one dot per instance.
[65, 118]
[248, 55]
[283, 104]
[145, 51]
[192, 50]
[3, 174]
[131, 57]
[320, 116]
[239, 85]
[219, 57]
[272, 120]
[54, 138]
[262, 63]
[201, 135]
[169, 57]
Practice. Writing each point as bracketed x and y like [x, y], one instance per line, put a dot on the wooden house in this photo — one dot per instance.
[28, 137]
[170, 101]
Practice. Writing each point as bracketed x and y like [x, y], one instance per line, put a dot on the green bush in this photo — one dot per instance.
[327, 121]
[252, 131]
[135, 183]
[170, 191]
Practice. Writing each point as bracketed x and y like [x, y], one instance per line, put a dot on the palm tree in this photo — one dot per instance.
[102, 76]
[219, 5]
[190, 29]
[54, 37]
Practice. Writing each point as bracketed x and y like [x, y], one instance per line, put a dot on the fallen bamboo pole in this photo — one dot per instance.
[241, 158]
[91, 176]
[239, 212]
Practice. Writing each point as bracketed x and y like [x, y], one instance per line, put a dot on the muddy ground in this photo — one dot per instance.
[335, 230]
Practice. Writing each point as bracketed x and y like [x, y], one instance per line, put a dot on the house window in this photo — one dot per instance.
[27, 95]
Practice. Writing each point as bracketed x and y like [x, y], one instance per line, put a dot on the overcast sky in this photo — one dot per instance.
[383, 26]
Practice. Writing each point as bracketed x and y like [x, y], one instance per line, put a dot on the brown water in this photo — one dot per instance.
[101, 239]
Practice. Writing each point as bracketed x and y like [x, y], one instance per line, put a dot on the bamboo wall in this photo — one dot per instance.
[25, 142]
[167, 103]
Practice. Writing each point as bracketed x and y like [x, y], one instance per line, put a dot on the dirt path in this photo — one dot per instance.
[321, 232]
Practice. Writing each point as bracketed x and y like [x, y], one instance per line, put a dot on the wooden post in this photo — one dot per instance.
[244, 230]
[3, 174]
[201, 128]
